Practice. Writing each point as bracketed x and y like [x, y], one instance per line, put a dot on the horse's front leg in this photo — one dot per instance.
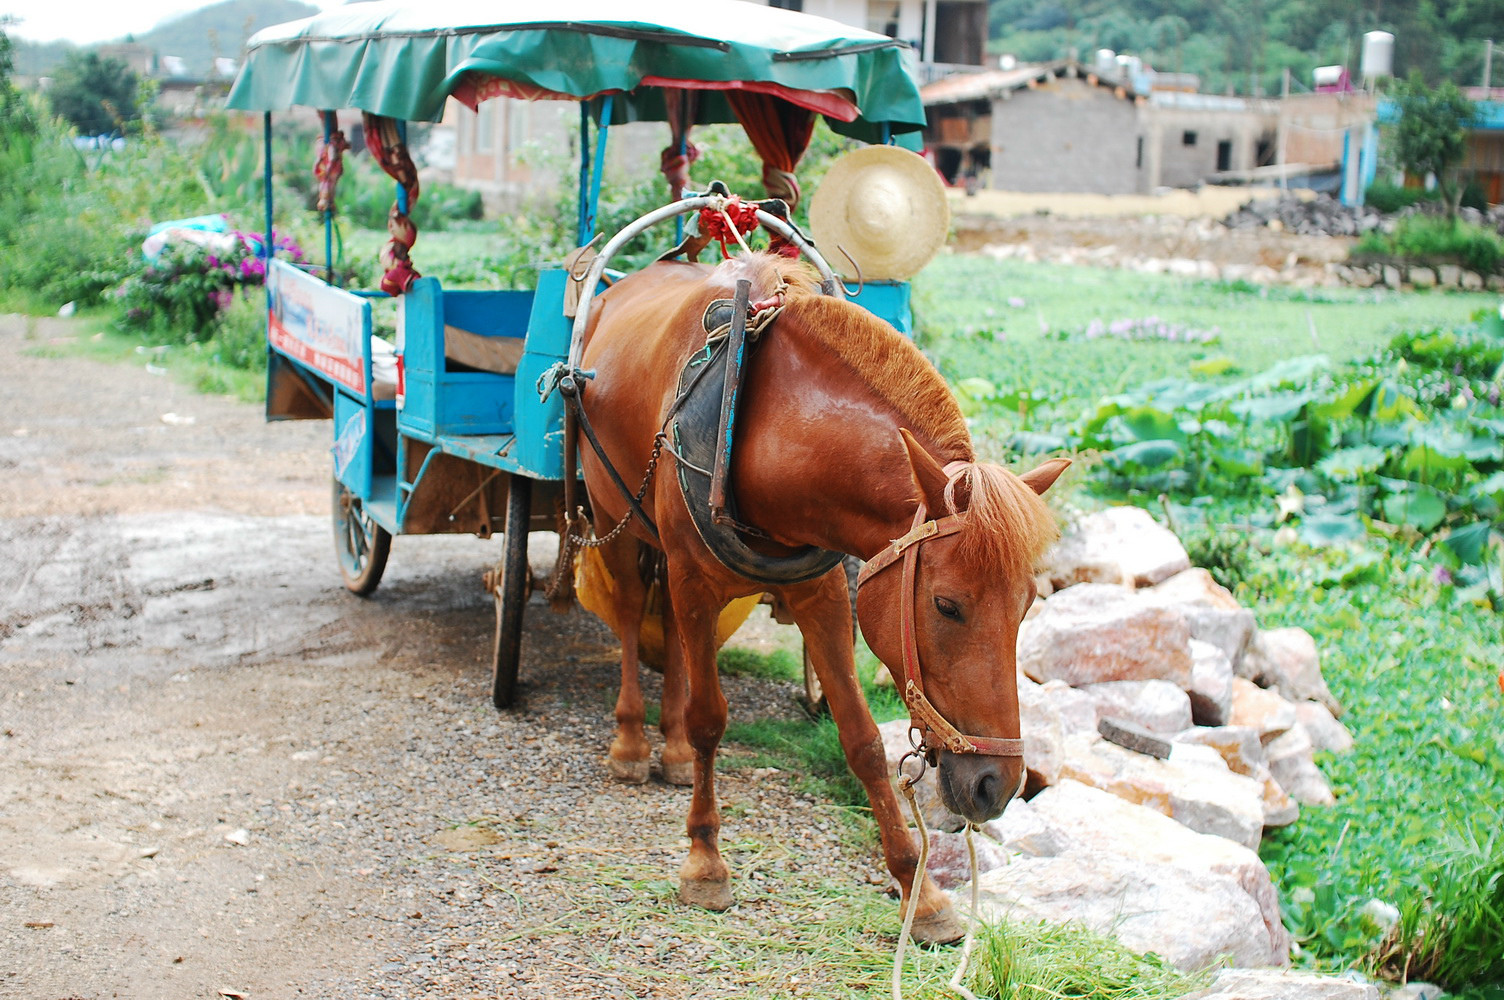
[628, 757]
[822, 609]
[704, 879]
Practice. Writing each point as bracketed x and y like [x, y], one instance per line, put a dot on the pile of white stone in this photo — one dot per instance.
[1155, 846]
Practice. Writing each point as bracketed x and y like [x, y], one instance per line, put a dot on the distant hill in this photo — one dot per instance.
[219, 30]
[197, 37]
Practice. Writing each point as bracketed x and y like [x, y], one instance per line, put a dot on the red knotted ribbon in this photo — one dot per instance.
[716, 223]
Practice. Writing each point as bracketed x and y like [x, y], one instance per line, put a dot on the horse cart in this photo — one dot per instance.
[450, 426]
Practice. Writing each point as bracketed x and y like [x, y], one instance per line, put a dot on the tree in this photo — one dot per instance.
[98, 95]
[1431, 134]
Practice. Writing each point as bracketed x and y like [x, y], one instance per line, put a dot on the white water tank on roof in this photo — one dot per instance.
[1378, 55]
[1107, 61]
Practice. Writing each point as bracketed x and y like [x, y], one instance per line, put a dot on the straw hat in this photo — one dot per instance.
[884, 206]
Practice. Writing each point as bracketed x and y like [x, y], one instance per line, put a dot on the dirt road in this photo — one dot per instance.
[220, 775]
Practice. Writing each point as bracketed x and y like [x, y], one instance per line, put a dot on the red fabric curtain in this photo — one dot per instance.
[384, 141]
[780, 132]
[680, 152]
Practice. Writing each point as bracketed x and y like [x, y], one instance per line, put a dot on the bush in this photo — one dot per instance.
[1452, 931]
[1382, 196]
[1425, 239]
[184, 294]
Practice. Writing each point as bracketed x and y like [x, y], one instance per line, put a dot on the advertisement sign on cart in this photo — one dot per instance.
[319, 325]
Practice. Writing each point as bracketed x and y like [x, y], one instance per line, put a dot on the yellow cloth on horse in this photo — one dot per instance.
[595, 586]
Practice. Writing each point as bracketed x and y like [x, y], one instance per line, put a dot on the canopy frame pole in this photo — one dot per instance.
[583, 223]
[402, 205]
[267, 246]
[591, 176]
[328, 119]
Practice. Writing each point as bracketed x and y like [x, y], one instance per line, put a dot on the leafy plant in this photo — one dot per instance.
[1452, 931]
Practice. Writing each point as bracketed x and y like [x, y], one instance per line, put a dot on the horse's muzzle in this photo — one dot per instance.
[977, 788]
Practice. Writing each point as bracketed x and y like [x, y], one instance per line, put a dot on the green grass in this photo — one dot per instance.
[970, 330]
[195, 365]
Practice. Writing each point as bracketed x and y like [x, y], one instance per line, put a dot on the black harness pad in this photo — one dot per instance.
[694, 428]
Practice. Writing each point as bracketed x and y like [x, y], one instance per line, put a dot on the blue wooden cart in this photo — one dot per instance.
[445, 429]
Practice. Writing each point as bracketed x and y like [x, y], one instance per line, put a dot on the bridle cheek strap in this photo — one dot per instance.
[936, 732]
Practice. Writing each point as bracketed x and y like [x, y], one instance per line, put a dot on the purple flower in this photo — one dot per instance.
[1443, 576]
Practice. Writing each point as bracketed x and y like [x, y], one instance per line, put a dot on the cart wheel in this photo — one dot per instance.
[814, 692]
[360, 543]
[510, 586]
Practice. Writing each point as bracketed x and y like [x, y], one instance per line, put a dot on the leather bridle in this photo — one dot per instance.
[936, 733]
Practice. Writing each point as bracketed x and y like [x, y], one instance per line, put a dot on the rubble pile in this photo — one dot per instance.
[1319, 216]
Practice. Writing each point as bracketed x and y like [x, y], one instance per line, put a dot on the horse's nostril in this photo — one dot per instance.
[987, 789]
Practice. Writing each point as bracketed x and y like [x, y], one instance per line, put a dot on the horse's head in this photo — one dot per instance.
[972, 581]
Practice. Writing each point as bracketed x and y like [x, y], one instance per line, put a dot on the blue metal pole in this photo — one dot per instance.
[402, 205]
[679, 219]
[266, 142]
[328, 117]
[582, 228]
[600, 167]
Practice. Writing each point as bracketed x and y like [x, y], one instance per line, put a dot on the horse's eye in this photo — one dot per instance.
[948, 608]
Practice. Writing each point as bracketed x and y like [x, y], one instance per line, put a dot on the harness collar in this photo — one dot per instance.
[936, 733]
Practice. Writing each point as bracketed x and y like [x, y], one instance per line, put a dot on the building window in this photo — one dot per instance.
[1224, 155]
[787, 4]
[1138, 159]
[1188, 138]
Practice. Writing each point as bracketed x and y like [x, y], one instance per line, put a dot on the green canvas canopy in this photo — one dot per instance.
[402, 60]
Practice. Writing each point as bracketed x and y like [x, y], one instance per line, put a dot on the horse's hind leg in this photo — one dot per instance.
[628, 758]
[704, 879]
[822, 609]
[678, 755]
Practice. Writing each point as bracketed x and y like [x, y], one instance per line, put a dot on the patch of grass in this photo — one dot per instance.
[1041, 962]
[1452, 933]
[778, 665]
[198, 365]
[1039, 381]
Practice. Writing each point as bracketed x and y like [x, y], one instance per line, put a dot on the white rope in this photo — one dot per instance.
[734, 231]
[911, 905]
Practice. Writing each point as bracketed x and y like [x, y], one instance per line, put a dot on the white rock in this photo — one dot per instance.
[1093, 820]
[1211, 684]
[1286, 659]
[1094, 633]
[1209, 608]
[1417, 991]
[1021, 829]
[1156, 705]
[1242, 751]
[949, 862]
[1325, 731]
[1264, 711]
[1197, 791]
[1119, 545]
[1146, 906]
[1272, 984]
[1291, 763]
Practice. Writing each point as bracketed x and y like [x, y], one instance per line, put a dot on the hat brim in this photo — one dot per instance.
[885, 208]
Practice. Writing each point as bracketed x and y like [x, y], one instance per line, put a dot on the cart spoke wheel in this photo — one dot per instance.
[360, 544]
[511, 583]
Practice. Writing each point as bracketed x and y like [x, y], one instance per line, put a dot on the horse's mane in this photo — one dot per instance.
[1008, 524]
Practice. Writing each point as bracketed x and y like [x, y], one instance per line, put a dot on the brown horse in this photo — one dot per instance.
[845, 437]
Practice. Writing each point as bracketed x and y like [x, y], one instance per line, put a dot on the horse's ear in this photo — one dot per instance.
[929, 475]
[1043, 477]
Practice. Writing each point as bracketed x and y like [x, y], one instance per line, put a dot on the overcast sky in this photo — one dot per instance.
[84, 22]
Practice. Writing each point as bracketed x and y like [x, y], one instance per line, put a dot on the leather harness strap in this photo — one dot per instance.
[936, 732]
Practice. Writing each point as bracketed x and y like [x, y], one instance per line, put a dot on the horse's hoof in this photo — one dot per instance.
[709, 894]
[940, 927]
[679, 772]
[631, 771]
